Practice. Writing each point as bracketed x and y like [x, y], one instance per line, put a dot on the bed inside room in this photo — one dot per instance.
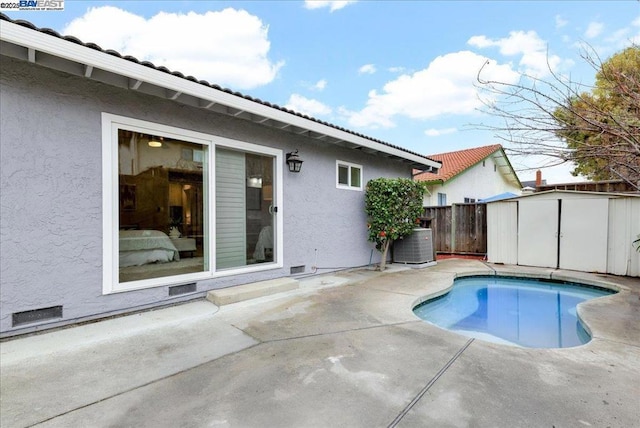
[161, 197]
[163, 207]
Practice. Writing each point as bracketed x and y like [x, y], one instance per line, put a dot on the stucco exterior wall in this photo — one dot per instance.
[51, 195]
[477, 182]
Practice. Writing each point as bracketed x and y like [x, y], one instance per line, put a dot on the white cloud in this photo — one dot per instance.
[560, 21]
[307, 106]
[618, 36]
[635, 38]
[396, 69]
[594, 30]
[331, 4]
[533, 50]
[228, 47]
[621, 38]
[481, 42]
[446, 86]
[437, 132]
[367, 69]
[320, 85]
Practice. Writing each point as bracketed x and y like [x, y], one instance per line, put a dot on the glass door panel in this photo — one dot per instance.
[161, 206]
[260, 211]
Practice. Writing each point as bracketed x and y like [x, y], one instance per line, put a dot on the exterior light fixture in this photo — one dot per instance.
[155, 142]
[294, 161]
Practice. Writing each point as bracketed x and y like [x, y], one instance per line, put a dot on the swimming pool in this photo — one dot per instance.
[514, 311]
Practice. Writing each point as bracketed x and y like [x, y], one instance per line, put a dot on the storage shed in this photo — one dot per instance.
[584, 231]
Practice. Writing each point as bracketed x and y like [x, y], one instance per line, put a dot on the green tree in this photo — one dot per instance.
[393, 207]
[602, 127]
[596, 127]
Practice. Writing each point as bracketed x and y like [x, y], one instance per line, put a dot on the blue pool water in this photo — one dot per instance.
[514, 311]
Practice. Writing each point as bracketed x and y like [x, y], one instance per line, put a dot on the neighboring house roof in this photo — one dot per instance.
[500, 197]
[615, 186]
[532, 183]
[23, 40]
[455, 163]
[575, 193]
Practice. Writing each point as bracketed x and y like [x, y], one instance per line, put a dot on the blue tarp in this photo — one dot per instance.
[499, 197]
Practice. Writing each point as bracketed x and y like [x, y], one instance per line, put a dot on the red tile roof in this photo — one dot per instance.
[454, 163]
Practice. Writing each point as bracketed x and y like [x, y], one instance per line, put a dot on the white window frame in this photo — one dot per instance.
[350, 165]
[110, 125]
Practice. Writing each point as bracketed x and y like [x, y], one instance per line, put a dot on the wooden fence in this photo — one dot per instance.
[458, 229]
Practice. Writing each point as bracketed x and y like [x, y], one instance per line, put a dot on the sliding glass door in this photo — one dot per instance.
[182, 206]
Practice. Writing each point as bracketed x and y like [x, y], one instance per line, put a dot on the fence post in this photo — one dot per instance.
[454, 217]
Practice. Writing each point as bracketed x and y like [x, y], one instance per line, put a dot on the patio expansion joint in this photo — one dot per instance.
[619, 342]
[428, 386]
[241, 330]
[133, 388]
[330, 333]
[386, 290]
[495, 272]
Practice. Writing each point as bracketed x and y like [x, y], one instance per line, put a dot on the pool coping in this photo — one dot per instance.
[583, 309]
[558, 277]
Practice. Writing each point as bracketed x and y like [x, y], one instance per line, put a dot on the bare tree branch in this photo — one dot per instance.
[596, 127]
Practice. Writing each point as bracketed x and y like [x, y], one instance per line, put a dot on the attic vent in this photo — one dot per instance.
[297, 269]
[36, 315]
[182, 289]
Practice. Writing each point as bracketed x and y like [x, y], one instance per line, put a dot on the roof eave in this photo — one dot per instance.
[510, 173]
[179, 88]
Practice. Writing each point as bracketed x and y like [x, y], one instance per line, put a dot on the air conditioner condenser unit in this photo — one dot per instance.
[415, 248]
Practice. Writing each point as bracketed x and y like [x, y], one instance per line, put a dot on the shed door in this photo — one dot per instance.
[538, 233]
[583, 237]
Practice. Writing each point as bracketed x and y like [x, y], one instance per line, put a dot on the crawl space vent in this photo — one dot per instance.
[296, 269]
[36, 315]
[182, 289]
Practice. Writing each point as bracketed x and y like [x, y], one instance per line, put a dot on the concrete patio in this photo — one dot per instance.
[343, 350]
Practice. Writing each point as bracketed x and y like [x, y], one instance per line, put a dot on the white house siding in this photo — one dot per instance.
[51, 186]
[477, 182]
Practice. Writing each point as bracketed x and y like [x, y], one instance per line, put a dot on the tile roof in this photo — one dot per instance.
[454, 163]
[112, 52]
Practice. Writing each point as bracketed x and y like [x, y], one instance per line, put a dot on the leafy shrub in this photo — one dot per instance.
[393, 207]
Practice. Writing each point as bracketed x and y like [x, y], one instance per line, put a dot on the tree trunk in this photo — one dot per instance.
[385, 250]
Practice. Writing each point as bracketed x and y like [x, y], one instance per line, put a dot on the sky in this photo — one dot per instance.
[403, 72]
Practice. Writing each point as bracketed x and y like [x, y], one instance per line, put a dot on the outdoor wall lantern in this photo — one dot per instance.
[155, 142]
[294, 161]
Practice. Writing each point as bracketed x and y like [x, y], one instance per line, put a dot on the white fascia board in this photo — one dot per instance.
[501, 159]
[33, 39]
